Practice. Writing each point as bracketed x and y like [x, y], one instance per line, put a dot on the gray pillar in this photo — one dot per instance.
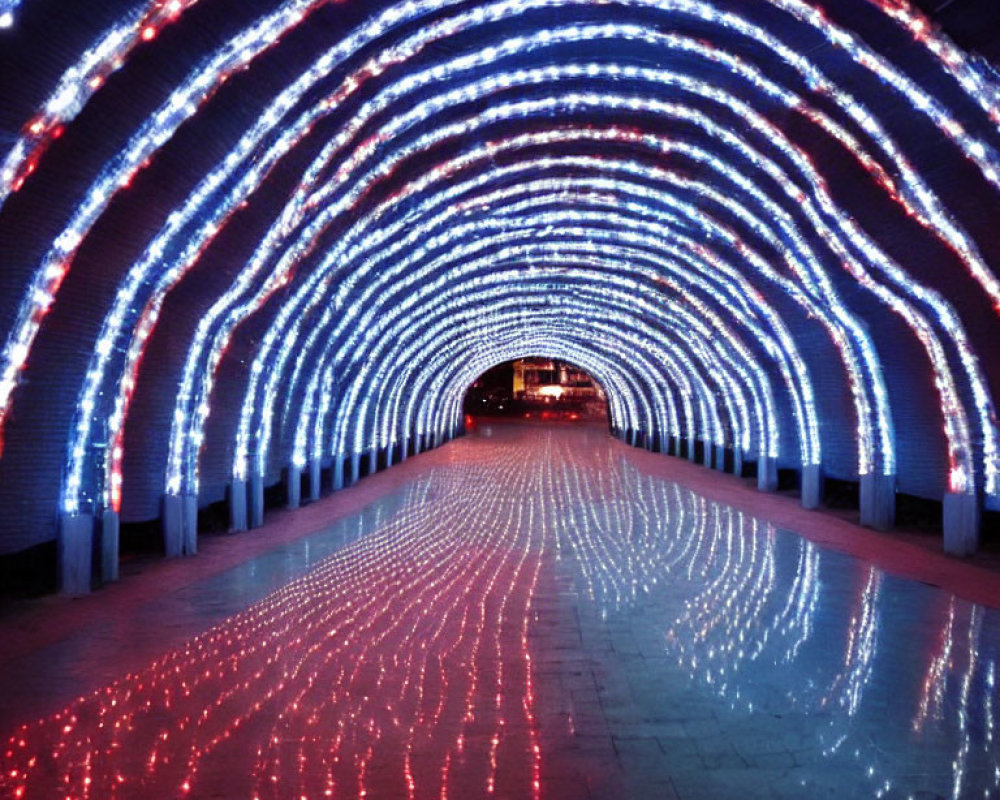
[293, 485]
[389, 454]
[878, 501]
[404, 447]
[737, 461]
[338, 472]
[438, 439]
[634, 437]
[812, 486]
[767, 474]
[706, 453]
[720, 457]
[418, 442]
[962, 518]
[315, 479]
[355, 475]
[190, 509]
[256, 500]
[373, 461]
[692, 454]
[238, 506]
[110, 538]
[75, 545]
[676, 440]
[173, 525]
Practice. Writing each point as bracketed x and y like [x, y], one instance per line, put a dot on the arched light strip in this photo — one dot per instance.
[954, 413]
[813, 76]
[382, 291]
[197, 399]
[344, 351]
[735, 400]
[452, 305]
[436, 413]
[446, 346]
[429, 407]
[636, 408]
[453, 358]
[547, 259]
[518, 331]
[533, 314]
[125, 387]
[297, 309]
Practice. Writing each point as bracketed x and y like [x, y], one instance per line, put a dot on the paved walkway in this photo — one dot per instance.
[527, 612]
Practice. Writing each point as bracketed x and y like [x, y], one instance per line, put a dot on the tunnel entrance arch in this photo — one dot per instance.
[537, 388]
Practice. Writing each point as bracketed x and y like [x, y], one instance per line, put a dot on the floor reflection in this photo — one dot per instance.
[537, 618]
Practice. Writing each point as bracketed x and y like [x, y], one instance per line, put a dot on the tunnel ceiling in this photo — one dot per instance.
[239, 235]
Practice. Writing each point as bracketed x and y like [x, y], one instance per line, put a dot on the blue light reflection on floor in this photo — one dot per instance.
[793, 670]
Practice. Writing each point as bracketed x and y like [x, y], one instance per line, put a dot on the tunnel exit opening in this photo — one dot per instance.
[537, 389]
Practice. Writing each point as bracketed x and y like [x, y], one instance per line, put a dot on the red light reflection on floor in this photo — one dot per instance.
[399, 668]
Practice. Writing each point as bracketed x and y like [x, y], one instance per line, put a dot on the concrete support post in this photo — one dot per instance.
[706, 453]
[338, 473]
[238, 506]
[173, 525]
[315, 479]
[438, 439]
[110, 538]
[373, 461]
[692, 449]
[390, 454]
[767, 474]
[256, 500]
[355, 475]
[75, 545]
[404, 449]
[634, 437]
[962, 519]
[878, 501]
[737, 461]
[418, 443]
[812, 486]
[190, 511]
[720, 458]
[293, 485]
[676, 444]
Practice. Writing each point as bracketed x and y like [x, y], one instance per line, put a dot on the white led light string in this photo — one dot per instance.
[434, 345]
[372, 293]
[688, 6]
[518, 316]
[449, 369]
[453, 209]
[376, 295]
[432, 340]
[483, 264]
[974, 384]
[946, 385]
[347, 348]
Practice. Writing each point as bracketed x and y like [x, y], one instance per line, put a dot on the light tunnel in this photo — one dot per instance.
[262, 242]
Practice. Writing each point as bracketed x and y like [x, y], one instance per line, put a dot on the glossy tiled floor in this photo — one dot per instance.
[526, 613]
